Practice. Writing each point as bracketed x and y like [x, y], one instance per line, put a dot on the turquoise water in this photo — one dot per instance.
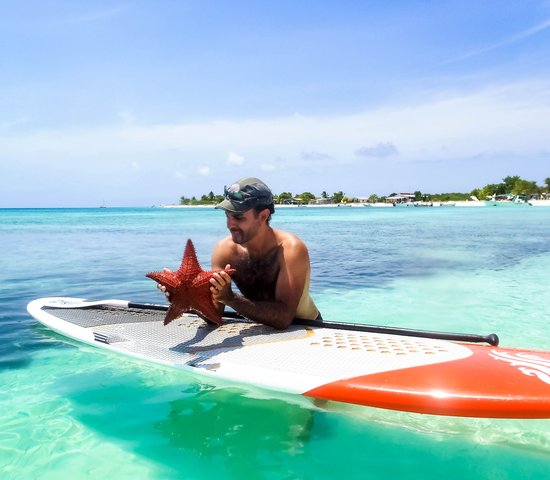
[74, 412]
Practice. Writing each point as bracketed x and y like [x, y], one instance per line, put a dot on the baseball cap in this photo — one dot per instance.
[245, 194]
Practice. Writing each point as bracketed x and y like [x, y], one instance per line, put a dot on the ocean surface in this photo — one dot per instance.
[70, 411]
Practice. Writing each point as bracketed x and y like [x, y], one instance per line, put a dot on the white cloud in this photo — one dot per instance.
[234, 159]
[511, 118]
[7, 124]
[512, 39]
[379, 150]
[315, 155]
[90, 16]
[126, 117]
[268, 167]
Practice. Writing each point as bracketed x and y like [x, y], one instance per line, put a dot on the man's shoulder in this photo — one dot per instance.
[284, 236]
[225, 244]
[223, 252]
[289, 240]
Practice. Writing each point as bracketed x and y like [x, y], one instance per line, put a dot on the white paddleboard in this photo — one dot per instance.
[387, 371]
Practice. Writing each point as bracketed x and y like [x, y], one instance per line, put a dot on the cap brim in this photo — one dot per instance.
[233, 207]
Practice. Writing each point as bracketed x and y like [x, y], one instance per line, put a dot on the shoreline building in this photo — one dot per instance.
[397, 198]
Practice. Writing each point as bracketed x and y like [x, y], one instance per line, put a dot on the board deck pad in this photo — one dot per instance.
[387, 371]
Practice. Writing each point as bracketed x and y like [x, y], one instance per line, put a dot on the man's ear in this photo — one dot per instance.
[264, 214]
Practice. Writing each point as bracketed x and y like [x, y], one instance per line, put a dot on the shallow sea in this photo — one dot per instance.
[69, 411]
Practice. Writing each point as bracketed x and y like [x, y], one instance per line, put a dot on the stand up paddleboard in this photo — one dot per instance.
[345, 364]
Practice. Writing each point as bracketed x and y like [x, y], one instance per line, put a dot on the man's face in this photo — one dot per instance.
[243, 226]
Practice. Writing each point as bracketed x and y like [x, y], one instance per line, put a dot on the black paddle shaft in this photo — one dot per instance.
[491, 339]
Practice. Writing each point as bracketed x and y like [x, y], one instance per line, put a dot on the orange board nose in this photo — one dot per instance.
[492, 383]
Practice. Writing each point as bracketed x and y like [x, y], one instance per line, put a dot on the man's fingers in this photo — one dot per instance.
[225, 276]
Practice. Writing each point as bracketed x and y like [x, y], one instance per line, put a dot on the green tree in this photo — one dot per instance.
[305, 197]
[324, 194]
[525, 187]
[509, 183]
[492, 189]
[450, 197]
[373, 198]
[476, 192]
[417, 196]
[284, 197]
[337, 197]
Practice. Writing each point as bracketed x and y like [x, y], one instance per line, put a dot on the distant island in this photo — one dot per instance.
[511, 186]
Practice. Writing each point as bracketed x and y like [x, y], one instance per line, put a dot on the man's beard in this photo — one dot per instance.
[238, 236]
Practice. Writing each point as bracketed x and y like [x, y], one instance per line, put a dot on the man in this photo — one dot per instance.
[272, 266]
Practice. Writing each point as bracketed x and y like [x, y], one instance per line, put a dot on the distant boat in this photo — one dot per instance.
[103, 205]
[539, 203]
[472, 202]
[379, 205]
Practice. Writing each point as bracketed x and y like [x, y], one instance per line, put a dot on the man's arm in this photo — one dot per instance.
[279, 313]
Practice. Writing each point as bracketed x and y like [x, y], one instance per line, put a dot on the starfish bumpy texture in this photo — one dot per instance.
[189, 288]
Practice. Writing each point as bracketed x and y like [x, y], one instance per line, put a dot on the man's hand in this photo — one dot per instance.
[221, 286]
[162, 288]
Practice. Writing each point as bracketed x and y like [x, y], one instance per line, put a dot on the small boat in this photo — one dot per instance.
[472, 202]
[379, 205]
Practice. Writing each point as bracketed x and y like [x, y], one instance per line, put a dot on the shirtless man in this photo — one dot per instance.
[272, 266]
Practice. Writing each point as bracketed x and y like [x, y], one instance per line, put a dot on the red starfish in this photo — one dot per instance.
[189, 288]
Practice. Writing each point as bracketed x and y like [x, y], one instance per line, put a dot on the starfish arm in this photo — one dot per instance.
[190, 266]
[208, 312]
[173, 312]
[166, 279]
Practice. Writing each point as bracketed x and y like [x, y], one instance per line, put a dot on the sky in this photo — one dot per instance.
[137, 103]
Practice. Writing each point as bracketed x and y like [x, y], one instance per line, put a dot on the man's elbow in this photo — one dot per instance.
[283, 322]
